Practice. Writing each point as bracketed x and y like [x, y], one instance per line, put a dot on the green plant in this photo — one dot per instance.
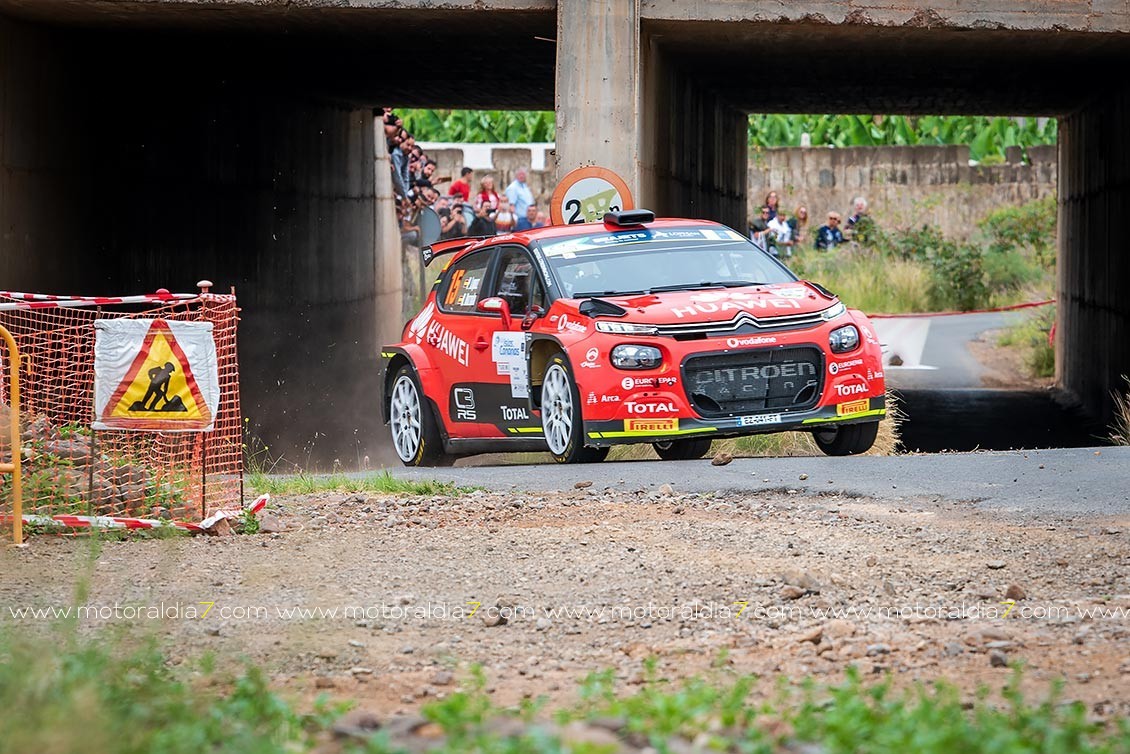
[246, 523]
[63, 692]
[1120, 433]
[1033, 337]
[383, 483]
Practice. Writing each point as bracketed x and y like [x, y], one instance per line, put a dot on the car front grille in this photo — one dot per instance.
[755, 380]
[744, 322]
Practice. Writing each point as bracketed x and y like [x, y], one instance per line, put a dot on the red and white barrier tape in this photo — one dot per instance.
[45, 301]
[126, 522]
[1012, 307]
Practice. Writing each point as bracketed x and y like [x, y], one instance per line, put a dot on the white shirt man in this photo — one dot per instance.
[781, 229]
[519, 194]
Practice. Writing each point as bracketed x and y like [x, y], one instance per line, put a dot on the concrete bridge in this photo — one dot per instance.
[150, 143]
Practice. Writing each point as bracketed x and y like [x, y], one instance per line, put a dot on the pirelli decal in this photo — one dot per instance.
[851, 408]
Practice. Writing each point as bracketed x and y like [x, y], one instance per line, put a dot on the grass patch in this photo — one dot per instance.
[383, 483]
[852, 717]
[62, 693]
[1032, 337]
[1120, 433]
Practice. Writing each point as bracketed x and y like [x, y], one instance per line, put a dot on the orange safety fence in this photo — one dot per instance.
[70, 469]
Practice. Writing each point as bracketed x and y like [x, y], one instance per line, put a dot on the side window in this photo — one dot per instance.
[461, 292]
[518, 283]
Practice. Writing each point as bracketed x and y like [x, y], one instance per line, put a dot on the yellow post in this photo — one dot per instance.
[13, 468]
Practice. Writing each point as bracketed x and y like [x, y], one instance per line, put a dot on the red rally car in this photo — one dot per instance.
[575, 338]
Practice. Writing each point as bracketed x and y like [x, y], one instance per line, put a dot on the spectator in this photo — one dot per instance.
[486, 208]
[505, 220]
[799, 225]
[759, 227]
[771, 201]
[859, 226]
[462, 187]
[519, 194]
[543, 220]
[830, 235]
[782, 233]
[400, 157]
[453, 224]
[530, 221]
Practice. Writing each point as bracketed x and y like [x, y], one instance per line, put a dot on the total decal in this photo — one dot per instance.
[856, 386]
[631, 383]
[426, 329]
[662, 408]
[590, 361]
[514, 413]
[508, 352]
[836, 367]
[738, 301]
[564, 323]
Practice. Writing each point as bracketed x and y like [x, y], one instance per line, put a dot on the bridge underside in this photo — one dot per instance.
[151, 144]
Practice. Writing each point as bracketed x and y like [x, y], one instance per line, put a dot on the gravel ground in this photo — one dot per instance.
[592, 579]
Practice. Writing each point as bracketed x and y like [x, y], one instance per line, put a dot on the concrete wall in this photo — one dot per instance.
[1093, 330]
[121, 179]
[904, 186]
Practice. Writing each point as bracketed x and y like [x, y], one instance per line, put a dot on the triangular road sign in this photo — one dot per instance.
[159, 390]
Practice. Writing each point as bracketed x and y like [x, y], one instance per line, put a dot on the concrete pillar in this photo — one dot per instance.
[598, 86]
[1093, 314]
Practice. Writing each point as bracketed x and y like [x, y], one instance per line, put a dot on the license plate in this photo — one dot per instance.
[852, 407]
[754, 421]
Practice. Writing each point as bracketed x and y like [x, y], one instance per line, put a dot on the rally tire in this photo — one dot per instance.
[415, 435]
[846, 440]
[682, 450]
[561, 418]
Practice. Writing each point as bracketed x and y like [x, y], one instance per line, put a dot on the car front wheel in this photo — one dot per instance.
[561, 418]
[682, 450]
[847, 440]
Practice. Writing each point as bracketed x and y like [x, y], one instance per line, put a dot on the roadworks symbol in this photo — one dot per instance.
[596, 205]
[160, 384]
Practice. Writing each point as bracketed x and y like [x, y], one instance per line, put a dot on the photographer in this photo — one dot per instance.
[453, 223]
[486, 209]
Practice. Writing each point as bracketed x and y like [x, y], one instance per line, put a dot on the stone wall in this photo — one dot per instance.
[903, 185]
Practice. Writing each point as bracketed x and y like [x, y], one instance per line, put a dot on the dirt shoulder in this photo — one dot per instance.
[370, 598]
[1005, 366]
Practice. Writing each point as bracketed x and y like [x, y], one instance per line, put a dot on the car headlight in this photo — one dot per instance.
[833, 311]
[626, 328]
[844, 339]
[636, 357]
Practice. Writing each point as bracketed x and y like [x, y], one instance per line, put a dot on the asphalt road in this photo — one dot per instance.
[1061, 481]
[946, 351]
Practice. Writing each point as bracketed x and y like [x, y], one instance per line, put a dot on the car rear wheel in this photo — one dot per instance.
[846, 440]
[682, 450]
[561, 418]
[414, 432]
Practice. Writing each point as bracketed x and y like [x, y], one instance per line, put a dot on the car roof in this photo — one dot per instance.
[526, 237]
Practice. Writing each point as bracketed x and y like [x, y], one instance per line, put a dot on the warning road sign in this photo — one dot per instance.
[152, 374]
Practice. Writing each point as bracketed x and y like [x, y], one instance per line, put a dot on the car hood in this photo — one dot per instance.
[722, 304]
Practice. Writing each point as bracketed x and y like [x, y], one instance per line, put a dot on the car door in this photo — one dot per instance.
[505, 406]
[457, 334]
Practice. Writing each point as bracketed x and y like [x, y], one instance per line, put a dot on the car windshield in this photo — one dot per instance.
[644, 260]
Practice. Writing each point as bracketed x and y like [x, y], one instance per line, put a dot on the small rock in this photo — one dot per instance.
[813, 635]
[407, 649]
[790, 592]
[952, 649]
[721, 459]
[802, 477]
[221, 528]
[492, 618]
[327, 654]
[583, 485]
[878, 649]
[839, 629]
[995, 565]
[357, 723]
[212, 631]
[361, 671]
[443, 678]
[666, 489]
[271, 524]
[544, 623]
[1015, 592]
[324, 682]
[998, 659]
[356, 644]
[871, 561]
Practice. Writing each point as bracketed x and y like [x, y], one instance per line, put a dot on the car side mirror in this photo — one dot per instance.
[496, 305]
[531, 317]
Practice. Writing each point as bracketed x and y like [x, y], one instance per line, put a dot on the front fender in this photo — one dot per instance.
[392, 358]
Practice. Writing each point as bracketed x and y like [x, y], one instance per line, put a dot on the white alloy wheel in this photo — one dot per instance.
[557, 409]
[405, 418]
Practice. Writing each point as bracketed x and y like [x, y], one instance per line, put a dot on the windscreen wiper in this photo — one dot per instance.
[703, 284]
[591, 294]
